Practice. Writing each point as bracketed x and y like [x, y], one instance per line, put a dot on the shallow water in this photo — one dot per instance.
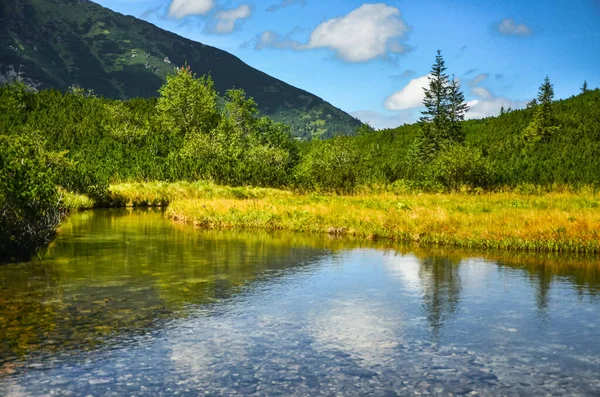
[128, 303]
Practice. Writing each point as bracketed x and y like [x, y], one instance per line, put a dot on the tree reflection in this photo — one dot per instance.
[115, 275]
[440, 280]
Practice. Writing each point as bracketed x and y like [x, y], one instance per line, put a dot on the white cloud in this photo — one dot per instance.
[226, 19]
[269, 39]
[358, 328]
[183, 8]
[368, 32]
[509, 27]
[482, 93]
[487, 104]
[411, 96]
[480, 108]
[380, 120]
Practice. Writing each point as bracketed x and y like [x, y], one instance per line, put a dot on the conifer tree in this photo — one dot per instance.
[445, 109]
[584, 88]
[545, 98]
[457, 111]
[436, 96]
[543, 125]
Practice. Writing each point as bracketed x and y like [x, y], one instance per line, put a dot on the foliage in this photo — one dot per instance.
[188, 105]
[63, 43]
[445, 109]
[553, 222]
[543, 125]
[30, 204]
[330, 165]
[460, 165]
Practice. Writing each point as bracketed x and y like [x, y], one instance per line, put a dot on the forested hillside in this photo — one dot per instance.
[570, 156]
[55, 142]
[60, 43]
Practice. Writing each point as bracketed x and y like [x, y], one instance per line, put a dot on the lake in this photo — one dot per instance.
[125, 302]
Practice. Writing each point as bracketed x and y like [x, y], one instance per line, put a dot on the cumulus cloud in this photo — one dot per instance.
[482, 93]
[226, 20]
[411, 96]
[284, 4]
[481, 108]
[510, 28]
[183, 8]
[380, 120]
[368, 32]
[486, 103]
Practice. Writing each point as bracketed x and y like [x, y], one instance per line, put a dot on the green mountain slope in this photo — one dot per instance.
[58, 43]
[571, 156]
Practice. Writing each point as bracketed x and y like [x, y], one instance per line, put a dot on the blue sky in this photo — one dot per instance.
[371, 59]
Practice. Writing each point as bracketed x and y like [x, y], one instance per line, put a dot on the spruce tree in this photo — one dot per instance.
[584, 88]
[445, 109]
[545, 98]
[457, 111]
[543, 125]
[436, 96]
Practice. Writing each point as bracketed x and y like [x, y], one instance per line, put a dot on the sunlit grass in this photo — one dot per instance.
[511, 221]
[162, 193]
[554, 222]
[73, 201]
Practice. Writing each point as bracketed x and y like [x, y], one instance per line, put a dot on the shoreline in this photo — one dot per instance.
[550, 222]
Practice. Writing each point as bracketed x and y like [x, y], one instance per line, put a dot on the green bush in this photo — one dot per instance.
[330, 165]
[30, 204]
[459, 166]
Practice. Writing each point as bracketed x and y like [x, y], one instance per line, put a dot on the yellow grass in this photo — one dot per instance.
[549, 222]
[162, 193]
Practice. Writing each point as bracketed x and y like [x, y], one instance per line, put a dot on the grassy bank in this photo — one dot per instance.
[557, 222]
[160, 194]
[554, 222]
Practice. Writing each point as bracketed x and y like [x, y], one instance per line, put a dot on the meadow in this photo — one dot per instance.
[559, 221]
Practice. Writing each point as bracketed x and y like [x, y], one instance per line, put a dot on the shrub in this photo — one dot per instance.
[30, 204]
[460, 165]
[330, 165]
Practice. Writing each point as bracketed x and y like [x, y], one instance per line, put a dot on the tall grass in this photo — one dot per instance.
[532, 220]
[160, 194]
[555, 222]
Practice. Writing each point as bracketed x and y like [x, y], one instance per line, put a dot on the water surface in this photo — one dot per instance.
[128, 303]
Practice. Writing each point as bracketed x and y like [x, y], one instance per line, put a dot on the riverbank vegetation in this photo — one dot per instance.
[100, 152]
[550, 222]
[30, 203]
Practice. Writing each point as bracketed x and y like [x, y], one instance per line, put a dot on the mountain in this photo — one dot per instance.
[59, 43]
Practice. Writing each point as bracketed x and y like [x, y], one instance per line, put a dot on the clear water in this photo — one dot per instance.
[126, 303]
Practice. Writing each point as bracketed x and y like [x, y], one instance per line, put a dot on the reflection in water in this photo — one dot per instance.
[112, 274]
[440, 281]
[127, 303]
[362, 330]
